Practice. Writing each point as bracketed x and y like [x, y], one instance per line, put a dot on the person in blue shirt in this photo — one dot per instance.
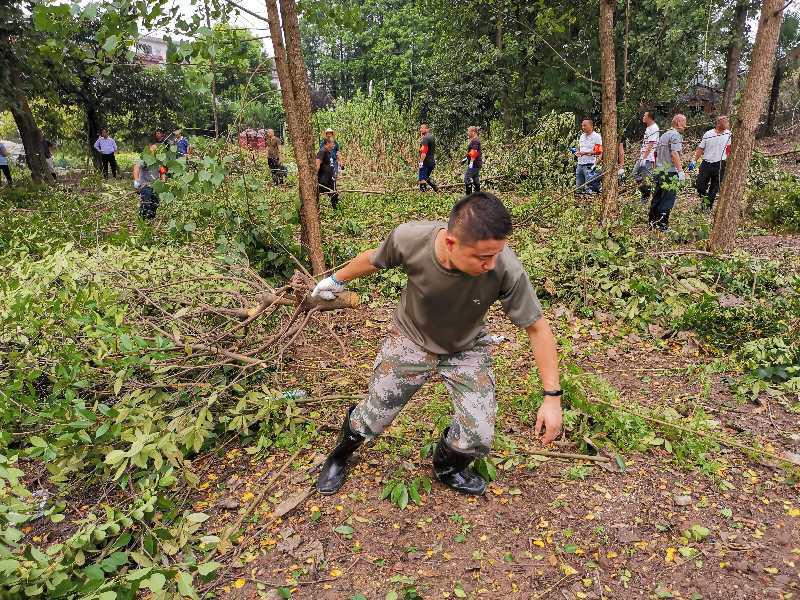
[106, 146]
[4, 164]
[181, 144]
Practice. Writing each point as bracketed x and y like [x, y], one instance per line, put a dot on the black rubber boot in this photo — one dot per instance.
[433, 185]
[452, 469]
[334, 471]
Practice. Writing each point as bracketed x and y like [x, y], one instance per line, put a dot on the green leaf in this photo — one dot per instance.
[114, 457]
[391, 595]
[111, 43]
[185, 586]
[208, 567]
[344, 530]
[197, 517]
[387, 489]
[38, 442]
[109, 595]
[486, 469]
[9, 565]
[459, 592]
[156, 582]
[94, 572]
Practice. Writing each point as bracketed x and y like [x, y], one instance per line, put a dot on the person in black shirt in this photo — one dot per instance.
[326, 182]
[427, 159]
[474, 162]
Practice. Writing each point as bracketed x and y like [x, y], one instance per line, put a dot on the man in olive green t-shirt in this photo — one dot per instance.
[456, 271]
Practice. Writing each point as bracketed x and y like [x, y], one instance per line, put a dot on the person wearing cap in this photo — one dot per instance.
[181, 143]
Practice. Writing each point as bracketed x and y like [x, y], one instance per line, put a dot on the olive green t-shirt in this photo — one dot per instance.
[442, 310]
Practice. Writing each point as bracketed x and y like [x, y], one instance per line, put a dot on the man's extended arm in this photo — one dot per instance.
[545, 353]
[360, 266]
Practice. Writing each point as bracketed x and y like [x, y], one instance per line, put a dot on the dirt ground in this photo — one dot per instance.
[538, 532]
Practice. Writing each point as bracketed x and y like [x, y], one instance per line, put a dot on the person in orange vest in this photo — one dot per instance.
[474, 162]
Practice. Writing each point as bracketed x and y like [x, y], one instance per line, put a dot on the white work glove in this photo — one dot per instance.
[621, 172]
[420, 164]
[137, 185]
[328, 288]
[681, 176]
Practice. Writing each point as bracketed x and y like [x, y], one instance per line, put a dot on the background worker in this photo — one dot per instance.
[143, 177]
[713, 149]
[427, 159]
[4, 167]
[273, 146]
[473, 160]
[181, 144]
[643, 169]
[668, 171]
[326, 182]
[588, 152]
[456, 271]
[107, 148]
[336, 153]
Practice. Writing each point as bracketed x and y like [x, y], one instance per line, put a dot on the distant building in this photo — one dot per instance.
[700, 96]
[151, 51]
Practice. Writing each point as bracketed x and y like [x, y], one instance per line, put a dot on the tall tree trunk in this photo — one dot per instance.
[285, 32]
[92, 133]
[625, 51]
[773, 97]
[213, 77]
[608, 72]
[505, 103]
[734, 56]
[745, 124]
[29, 132]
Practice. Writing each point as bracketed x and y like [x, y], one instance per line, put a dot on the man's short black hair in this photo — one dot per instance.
[587, 119]
[650, 114]
[479, 216]
[425, 124]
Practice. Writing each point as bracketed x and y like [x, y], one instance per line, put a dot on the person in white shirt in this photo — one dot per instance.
[106, 146]
[643, 169]
[713, 149]
[588, 152]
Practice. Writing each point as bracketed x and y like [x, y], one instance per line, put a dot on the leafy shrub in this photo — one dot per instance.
[778, 203]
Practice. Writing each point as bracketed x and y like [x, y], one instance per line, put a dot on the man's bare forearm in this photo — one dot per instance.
[360, 266]
[676, 161]
[545, 352]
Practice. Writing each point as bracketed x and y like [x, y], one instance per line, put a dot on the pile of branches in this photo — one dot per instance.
[239, 320]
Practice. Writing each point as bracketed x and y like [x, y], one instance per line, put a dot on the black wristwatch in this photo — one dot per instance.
[555, 393]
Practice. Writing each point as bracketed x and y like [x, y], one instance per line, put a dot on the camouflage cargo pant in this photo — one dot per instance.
[402, 367]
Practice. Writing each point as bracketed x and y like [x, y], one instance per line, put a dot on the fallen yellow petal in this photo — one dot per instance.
[239, 584]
